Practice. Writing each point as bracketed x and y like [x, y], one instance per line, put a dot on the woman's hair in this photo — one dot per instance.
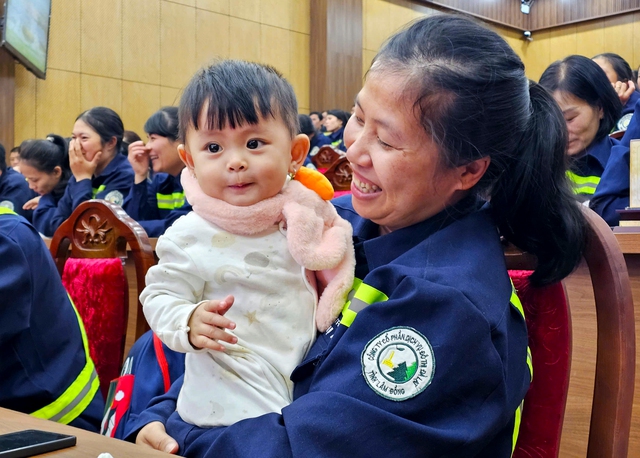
[128, 138]
[317, 113]
[585, 80]
[306, 126]
[236, 92]
[474, 100]
[163, 122]
[619, 65]
[341, 115]
[105, 122]
[46, 155]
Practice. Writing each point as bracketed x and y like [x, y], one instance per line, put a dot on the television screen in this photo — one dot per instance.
[26, 32]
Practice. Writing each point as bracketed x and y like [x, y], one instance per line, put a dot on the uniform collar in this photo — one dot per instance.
[601, 150]
[380, 250]
[113, 165]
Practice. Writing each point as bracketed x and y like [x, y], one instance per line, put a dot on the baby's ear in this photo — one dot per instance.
[185, 156]
[299, 151]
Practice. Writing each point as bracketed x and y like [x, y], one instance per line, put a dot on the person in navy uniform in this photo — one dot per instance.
[14, 189]
[590, 107]
[451, 147]
[156, 202]
[621, 77]
[46, 368]
[334, 124]
[99, 172]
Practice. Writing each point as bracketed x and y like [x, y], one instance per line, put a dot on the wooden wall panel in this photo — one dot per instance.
[7, 97]
[102, 52]
[544, 13]
[336, 53]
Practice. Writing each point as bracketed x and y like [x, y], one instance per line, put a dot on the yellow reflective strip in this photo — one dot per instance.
[6, 211]
[515, 300]
[530, 363]
[364, 293]
[170, 201]
[516, 426]
[590, 190]
[580, 180]
[99, 189]
[75, 390]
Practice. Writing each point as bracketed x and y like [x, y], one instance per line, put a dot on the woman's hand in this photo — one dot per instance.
[624, 90]
[207, 325]
[154, 435]
[139, 159]
[31, 204]
[81, 168]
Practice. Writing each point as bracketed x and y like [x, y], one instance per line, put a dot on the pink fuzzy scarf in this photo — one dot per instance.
[318, 239]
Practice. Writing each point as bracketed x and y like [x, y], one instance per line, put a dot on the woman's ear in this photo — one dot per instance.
[299, 151]
[185, 157]
[471, 173]
[57, 171]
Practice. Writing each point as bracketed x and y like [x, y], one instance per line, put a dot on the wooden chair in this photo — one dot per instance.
[89, 249]
[340, 174]
[615, 362]
[325, 156]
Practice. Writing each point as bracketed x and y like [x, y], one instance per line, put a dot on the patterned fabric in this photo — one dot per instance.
[98, 288]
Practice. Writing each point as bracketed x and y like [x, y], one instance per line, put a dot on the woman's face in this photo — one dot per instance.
[163, 154]
[89, 140]
[14, 159]
[332, 123]
[583, 121]
[398, 179]
[39, 181]
[604, 64]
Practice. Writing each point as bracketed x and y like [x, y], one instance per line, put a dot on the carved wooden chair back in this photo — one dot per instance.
[325, 156]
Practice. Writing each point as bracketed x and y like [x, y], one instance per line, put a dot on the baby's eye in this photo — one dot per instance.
[253, 144]
[213, 148]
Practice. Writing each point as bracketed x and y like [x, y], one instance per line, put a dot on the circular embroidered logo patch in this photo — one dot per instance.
[7, 204]
[115, 197]
[398, 363]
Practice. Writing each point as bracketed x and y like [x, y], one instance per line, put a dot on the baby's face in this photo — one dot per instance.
[241, 166]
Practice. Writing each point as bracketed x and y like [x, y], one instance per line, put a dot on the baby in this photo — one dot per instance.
[276, 256]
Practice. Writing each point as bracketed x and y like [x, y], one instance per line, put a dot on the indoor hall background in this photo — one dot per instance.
[135, 55]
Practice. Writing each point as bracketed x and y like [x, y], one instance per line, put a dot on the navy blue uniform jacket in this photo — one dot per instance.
[142, 203]
[112, 184]
[444, 277]
[15, 189]
[594, 160]
[40, 340]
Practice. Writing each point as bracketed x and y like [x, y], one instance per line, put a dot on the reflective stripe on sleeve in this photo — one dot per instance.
[98, 190]
[6, 211]
[360, 296]
[170, 201]
[79, 394]
[516, 426]
[583, 185]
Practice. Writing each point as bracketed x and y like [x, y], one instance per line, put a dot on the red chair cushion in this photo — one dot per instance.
[548, 324]
[98, 288]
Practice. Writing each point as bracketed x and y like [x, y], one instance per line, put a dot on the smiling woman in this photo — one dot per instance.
[590, 107]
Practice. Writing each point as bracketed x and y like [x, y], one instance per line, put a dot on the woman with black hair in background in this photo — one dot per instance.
[156, 202]
[45, 165]
[334, 124]
[590, 107]
[98, 171]
[620, 75]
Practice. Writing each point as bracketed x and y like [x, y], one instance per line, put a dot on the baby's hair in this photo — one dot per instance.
[46, 155]
[236, 92]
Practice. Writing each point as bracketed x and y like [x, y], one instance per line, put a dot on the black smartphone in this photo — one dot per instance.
[32, 442]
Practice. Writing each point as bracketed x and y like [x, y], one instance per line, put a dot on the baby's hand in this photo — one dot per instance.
[207, 325]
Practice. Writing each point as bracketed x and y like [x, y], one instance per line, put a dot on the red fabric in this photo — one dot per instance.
[548, 325]
[162, 362]
[98, 288]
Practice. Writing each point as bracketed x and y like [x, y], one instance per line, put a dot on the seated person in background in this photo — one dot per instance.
[45, 165]
[334, 124]
[14, 158]
[14, 189]
[233, 256]
[451, 147]
[128, 138]
[590, 107]
[316, 119]
[45, 368]
[157, 202]
[316, 139]
[99, 172]
[620, 75]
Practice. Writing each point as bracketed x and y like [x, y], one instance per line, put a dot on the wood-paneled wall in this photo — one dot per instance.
[336, 53]
[544, 13]
[619, 34]
[136, 55]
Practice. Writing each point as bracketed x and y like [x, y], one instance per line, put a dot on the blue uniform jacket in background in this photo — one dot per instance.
[155, 217]
[112, 184]
[336, 138]
[613, 191]
[15, 192]
[592, 162]
[446, 278]
[40, 342]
